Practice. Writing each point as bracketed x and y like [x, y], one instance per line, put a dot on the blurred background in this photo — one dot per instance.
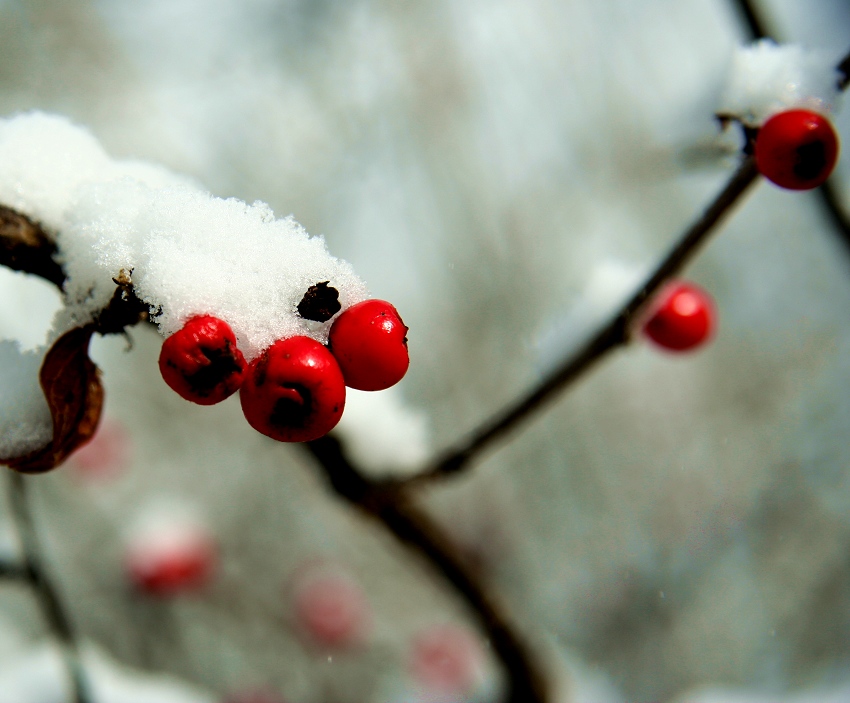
[502, 171]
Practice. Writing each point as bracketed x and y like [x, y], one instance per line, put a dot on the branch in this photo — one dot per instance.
[614, 334]
[34, 573]
[395, 510]
[13, 571]
[26, 247]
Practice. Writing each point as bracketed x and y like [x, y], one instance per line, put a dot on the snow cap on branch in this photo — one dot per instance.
[188, 252]
[766, 78]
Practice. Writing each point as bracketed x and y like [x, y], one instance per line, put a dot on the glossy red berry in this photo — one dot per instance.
[201, 363]
[796, 149]
[369, 341]
[294, 391]
[683, 319]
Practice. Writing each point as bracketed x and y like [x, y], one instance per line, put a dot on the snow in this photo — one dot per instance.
[383, 434]
[38, 675]
[766, 78]
[189, 252]
[25, 422]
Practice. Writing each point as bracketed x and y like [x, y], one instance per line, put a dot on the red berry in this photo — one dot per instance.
[369, 342]
[166, 564]
[294, 391]
[796, 149]
[684, 318]
[331, 608]
[108, 452]
[446, 658]
[201, 363]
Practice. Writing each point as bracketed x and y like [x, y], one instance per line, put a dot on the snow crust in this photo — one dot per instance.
[189, 252]
[383, 434]
[766, 78]
[25, 422]
[38, 675]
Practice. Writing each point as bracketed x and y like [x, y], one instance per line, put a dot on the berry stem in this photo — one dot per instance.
[46, 593]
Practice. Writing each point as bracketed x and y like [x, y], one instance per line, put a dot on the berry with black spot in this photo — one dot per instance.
[294, 391]
[796, 149]
[201, 362]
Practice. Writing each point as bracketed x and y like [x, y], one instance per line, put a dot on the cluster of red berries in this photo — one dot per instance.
[796, 149]
[295, 390]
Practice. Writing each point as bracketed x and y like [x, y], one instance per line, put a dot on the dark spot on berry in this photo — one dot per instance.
[811, 161]
[260, 370]
[293, 409]
[320, 302]
[222, 365]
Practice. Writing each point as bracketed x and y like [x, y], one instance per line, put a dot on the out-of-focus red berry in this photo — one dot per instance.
[446, 658]
[331, 608]
[169, 563]
[105, 455]
[259, 696]
[683, 319]
[369, 341]
[294, 391]
[796, 149]
[201, 363]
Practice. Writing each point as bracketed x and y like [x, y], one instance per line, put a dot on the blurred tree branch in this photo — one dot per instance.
[33, 572]
[615, 333]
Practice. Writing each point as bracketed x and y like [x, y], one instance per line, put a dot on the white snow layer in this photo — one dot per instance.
[38, 675]
[766, 78]
[25, 422]
[190, 253]
[383, 434]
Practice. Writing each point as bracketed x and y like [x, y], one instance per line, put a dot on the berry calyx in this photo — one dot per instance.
[294, 391]
[201, 363]
[796, 149]
[683, 319]
[369, 341]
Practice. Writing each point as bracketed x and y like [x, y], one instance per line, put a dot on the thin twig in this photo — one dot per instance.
[12, 570]
[754, 20]
[615, 333]
[48, 599]
[411, 526]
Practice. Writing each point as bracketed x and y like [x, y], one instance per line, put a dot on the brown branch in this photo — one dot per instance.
[756, 24]
[46, 593]
[614, 334]
[26, 247]
[396, 511]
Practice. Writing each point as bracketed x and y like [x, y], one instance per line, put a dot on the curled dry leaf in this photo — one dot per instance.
[71, 384]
